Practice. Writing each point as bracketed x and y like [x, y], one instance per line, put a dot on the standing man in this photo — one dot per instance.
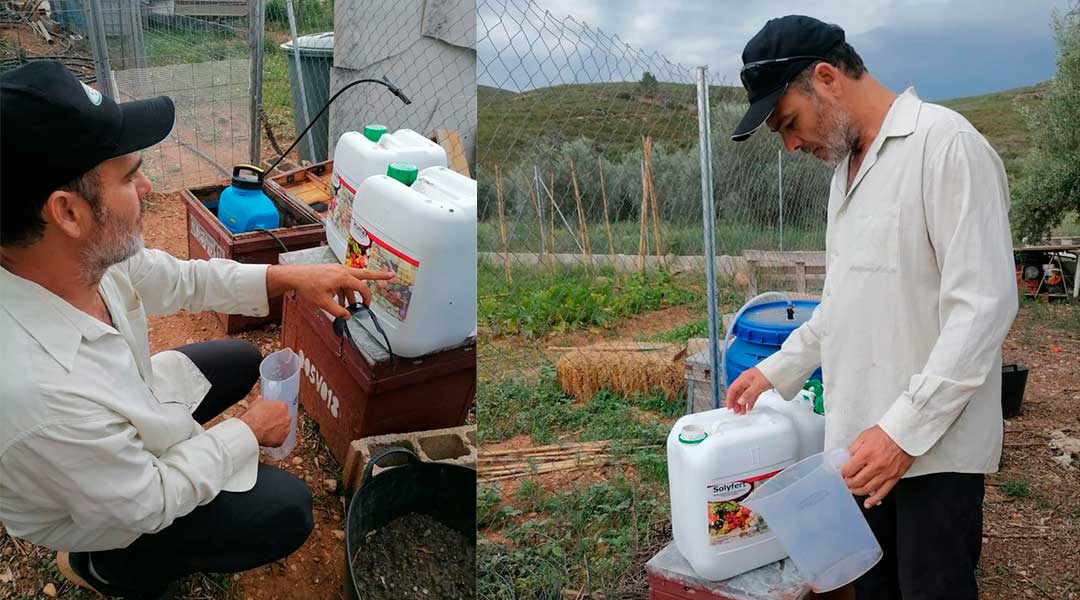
[919, 294]
[102, 451]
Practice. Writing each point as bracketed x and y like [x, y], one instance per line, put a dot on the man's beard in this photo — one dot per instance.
[114, 241]
[841, 135]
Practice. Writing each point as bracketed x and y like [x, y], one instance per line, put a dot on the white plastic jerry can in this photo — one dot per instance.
[715, 459]
[358, 156]
[422, 227]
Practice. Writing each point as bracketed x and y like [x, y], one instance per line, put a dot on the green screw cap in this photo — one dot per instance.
[692, 434]
[818, 390]
[403, 172]
[374, 132]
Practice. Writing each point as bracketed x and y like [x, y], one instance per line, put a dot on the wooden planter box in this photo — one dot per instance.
[309, 187]
[208, 238]
[354, 394]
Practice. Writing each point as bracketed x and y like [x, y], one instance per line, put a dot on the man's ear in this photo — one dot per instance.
[827, 79]
[69, 213]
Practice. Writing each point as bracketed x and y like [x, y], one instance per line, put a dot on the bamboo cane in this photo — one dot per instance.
[502, 225]
[581, 219]
[658, 240]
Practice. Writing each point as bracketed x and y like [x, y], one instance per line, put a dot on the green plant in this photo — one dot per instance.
[538, 302]
[1049, 187]
[1016, 487]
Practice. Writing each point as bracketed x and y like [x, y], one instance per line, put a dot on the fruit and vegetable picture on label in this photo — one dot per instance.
[395, 294]
[728, 520]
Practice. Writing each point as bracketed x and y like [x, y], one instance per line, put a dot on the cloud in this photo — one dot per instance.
[946, 48]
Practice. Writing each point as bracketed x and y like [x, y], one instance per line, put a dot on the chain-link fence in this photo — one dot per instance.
[589, 154]
[194, 52]
[267, 67]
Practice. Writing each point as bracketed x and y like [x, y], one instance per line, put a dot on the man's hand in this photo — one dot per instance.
[876, 464]
[269, 421]
[319, 284]
[744, 391]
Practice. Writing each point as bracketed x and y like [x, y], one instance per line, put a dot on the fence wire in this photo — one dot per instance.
[193, 52]
[562, 102]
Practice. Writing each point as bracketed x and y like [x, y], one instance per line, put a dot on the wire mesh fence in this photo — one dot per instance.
[194, 52]
[589, 154]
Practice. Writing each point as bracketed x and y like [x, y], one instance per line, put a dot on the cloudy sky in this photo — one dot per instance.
[945, 48]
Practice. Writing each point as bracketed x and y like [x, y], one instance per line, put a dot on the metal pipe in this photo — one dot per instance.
[100, 48]
[707, 210]
[780, 188]
[539, 209]
[256, 47]
[300, 73]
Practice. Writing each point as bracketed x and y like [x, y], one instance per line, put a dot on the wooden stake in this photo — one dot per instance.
[539, 216]
[551, 224]
[502, 225]
[581, 219]
[607, 221]
[658, 240]
[644, 216]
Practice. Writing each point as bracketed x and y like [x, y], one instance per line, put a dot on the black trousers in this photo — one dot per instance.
[235, 531]
[930, 531]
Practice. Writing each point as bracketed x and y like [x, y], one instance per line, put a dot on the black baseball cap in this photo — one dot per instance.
[54, 128]
[773, 57]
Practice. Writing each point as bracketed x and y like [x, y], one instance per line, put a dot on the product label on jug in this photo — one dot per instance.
[730, 521]
[340, 211]
[367, 251]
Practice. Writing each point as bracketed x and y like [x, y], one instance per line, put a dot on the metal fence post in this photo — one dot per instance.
[780, 191]
[256, 47]
[100, 48]
[299, 73]
[707, 211]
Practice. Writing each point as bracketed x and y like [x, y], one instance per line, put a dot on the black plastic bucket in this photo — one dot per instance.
[409, 488]
[1013, 381]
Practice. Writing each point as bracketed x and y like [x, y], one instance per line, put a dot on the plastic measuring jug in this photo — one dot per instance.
[811, 511]
[279, 381]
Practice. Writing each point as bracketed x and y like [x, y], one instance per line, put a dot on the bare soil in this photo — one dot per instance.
[415, 557]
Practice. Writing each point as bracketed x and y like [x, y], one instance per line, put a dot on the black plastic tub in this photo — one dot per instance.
[1013, 381]
[445, 492]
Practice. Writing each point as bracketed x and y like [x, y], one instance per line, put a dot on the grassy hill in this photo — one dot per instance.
[998, 116]
[618, 114]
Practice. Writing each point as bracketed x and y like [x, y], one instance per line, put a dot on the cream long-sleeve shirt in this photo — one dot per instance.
[919, 294]
[97, 442]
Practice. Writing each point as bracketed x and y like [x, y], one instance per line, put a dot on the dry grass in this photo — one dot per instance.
[626, 369]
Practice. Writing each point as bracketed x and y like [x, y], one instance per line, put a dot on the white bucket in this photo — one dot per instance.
[813, 514]
[279, 381]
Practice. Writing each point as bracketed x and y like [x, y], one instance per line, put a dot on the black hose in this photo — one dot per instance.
[383, 82]
[276, 238]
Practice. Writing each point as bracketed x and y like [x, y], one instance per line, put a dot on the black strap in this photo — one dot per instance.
[341, 326]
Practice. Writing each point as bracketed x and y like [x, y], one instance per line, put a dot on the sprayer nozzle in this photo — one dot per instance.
[396, 90]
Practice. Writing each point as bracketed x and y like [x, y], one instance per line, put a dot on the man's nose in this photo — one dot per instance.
[142, 184]
[792, 142]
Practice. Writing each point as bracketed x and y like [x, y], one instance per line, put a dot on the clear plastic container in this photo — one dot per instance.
[814, 516]
[279, 381]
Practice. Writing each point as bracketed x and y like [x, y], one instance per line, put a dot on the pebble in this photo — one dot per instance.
[49, 590]
[6, 576]
[331, 484]
[297, 460]
[339, 534]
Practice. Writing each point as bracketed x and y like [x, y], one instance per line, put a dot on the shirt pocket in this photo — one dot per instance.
[877, 242]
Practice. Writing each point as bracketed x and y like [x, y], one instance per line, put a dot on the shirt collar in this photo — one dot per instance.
[57, 325]
[902, 116]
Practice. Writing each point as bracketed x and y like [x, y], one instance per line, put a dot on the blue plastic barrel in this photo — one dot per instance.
[760, 332]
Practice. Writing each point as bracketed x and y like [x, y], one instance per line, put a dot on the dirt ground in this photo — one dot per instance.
[316, 570]
[1032, 506]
